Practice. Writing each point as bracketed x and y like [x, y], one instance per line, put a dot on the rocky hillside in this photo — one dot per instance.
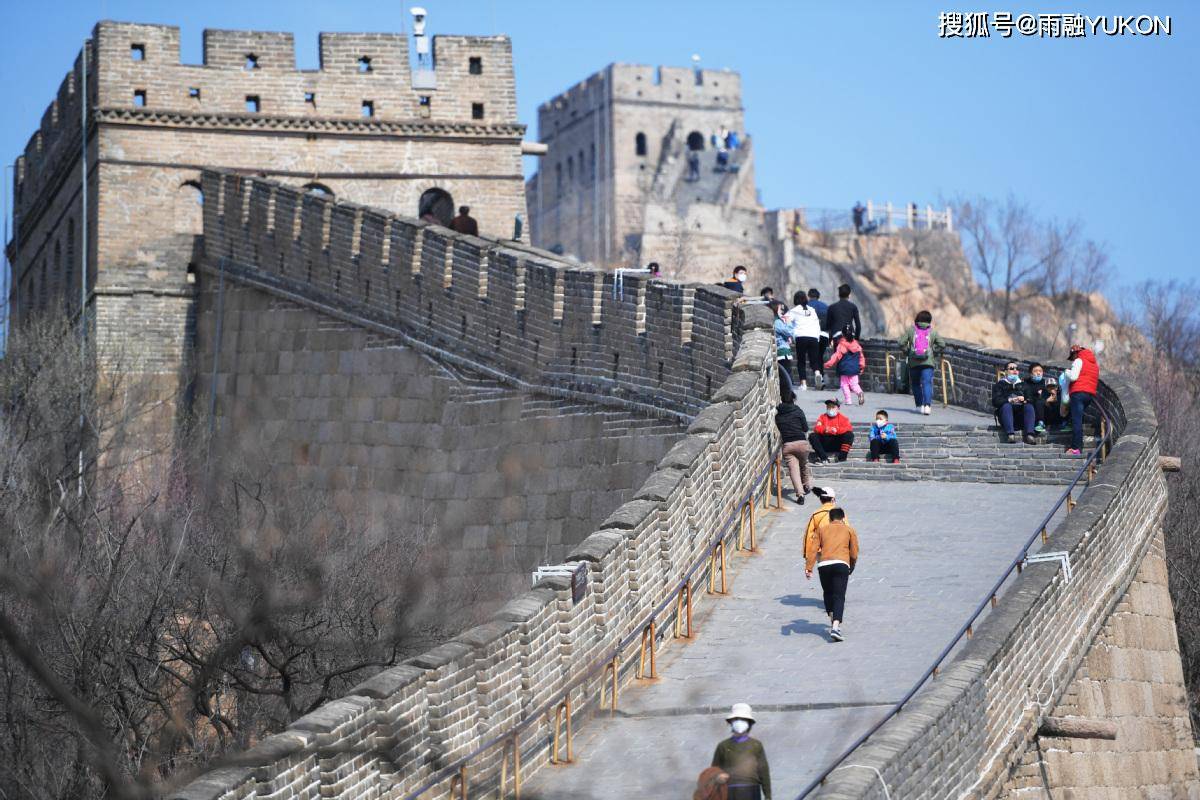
[908, 271]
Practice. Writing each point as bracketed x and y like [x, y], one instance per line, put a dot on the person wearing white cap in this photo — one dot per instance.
[827, 496]
[743, 759]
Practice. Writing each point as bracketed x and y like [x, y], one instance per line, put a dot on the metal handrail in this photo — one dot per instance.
[457, 771]
[946, 366]
[990, 600]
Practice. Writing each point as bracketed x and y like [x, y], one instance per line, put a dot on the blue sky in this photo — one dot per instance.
[845, 101]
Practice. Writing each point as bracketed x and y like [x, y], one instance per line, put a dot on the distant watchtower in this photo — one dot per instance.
[365, 128]
[614, 185]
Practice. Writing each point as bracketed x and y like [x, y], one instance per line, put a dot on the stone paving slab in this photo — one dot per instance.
[930, 550]
[899, 407]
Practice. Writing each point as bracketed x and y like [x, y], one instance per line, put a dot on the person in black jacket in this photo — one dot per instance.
[793, 430]
[1043, 394]
[841, 314]
[1008, 398]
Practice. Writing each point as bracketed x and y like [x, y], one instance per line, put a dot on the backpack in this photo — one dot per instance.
[848, 364]
[920, 343]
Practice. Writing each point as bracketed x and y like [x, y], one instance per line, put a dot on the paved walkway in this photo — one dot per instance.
[929, 552]
[899, 407]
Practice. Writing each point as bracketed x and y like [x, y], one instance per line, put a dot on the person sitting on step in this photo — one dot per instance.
[883, 439]
[1042, 393]
[1008, 399]
[832, 432]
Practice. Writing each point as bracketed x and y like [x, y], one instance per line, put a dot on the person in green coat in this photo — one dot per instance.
[743, 759]
[923, 348]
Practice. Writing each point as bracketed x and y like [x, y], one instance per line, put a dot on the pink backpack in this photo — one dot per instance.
[920, 343]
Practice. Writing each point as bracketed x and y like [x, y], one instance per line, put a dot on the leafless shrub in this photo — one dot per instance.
[153, 618]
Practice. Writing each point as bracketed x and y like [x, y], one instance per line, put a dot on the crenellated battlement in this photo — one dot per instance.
[364, 83]
[524, 311]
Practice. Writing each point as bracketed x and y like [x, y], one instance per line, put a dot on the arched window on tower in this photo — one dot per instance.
[640, 143]
[437, 206]
[189, 208]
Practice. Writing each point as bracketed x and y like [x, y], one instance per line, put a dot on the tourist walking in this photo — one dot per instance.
[793, 430]
[843, 314]
[857, 213]
[1083, 378]
[807, 325]
[784, 334]
[834, 552]
[883, 441]
[828, 498]
[832, 432]
[822, 309]
[922, 348]
[849, 361]
[742, 758]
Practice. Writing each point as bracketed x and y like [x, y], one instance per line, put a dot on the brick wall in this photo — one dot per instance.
[967, 731]
[418, 718]
[497, 480]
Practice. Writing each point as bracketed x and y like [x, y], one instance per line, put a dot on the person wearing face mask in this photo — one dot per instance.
[883, 439]
[922, 347]
[1008, 399]
[833, 431]
[738, 282]
[743, 759]
[1042, 393]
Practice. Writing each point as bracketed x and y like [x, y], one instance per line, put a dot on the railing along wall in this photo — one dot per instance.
[469, 716]
[979, 708]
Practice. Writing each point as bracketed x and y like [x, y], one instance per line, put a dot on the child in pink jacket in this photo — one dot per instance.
[850, 362]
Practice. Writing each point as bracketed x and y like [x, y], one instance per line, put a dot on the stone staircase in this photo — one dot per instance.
[971, 453]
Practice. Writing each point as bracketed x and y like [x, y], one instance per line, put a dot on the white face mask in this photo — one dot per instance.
[881, 422]
[832, 412]
[739, 726]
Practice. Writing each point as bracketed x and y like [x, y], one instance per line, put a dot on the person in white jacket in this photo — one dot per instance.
[807, 324]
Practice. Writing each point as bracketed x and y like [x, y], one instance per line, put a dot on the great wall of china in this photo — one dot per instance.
[461, 710]
[231, 304]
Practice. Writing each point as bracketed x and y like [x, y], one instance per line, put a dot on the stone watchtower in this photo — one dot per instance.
[614, 187]
[365, 127]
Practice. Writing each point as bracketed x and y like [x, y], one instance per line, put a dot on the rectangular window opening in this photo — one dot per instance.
[364, 64]
[310, 98]
[194, 92]
[137, 52]
[368, 108]
[425, 100]
[253, 104]
[475, 65]
[251, 61]
[476, 110]
[139, 98]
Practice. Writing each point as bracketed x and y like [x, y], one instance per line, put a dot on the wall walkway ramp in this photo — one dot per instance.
[930, 548]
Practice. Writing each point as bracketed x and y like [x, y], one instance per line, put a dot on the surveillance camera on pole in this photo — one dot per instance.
[420, 39]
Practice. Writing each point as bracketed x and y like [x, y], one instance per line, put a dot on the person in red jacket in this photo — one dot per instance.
[832, 432]
[1084, 379]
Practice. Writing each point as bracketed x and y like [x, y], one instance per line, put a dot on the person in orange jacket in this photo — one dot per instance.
[834, 553]
[833, 432]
